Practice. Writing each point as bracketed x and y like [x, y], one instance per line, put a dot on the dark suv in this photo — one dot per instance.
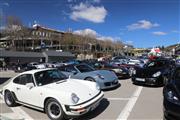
[155, 72]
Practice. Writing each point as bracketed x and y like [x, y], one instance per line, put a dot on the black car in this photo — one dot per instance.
[155, 72]
[171, 93]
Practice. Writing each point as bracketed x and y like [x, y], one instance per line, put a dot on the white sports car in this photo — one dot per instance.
[52, 92]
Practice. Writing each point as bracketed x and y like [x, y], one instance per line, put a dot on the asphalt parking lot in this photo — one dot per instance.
[129, 101]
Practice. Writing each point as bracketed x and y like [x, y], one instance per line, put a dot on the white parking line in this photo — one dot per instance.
[21, 113]
[129, 106]
[118, 98]
[1, 101]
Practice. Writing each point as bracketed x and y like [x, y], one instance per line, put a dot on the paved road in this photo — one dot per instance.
[128, 102]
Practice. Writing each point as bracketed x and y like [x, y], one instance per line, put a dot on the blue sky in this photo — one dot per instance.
[143, 23]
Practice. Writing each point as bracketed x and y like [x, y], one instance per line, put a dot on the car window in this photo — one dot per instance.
[84, 68]
[49, 76]
[61, 68]
[70, 69]
[24, 79]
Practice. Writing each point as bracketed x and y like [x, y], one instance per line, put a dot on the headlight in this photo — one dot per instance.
[97, 87]
[156, 74]
[74, 98]
[100, 76]
[171, 96]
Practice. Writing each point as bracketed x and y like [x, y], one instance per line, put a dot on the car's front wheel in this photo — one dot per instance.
[9, 99]
[54, 110]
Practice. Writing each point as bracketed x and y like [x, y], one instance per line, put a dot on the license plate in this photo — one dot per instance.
[140, 79]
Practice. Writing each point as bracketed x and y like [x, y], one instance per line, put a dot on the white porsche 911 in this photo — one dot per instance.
[52, 92]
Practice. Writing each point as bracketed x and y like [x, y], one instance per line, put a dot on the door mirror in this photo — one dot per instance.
[29, 85]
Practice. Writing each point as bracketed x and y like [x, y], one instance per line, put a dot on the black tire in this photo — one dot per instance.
[54, 110]
[9, 99]
[90, 79]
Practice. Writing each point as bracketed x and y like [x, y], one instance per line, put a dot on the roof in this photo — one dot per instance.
[36, 70]
[5, 53]
[60, 54]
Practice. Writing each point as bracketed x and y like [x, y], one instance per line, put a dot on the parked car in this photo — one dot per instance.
[106, 79]
[51, 91]
[121, 72]
[37, 65]
[24, 67]
[171, 95]
[155, 72]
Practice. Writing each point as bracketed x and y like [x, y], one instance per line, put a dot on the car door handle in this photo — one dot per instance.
[17, 88]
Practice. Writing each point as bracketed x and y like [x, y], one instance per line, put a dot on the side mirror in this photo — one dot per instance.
[29, 85]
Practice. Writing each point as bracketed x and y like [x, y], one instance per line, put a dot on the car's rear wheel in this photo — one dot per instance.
[54, 110]
[9, 99]
[90, 79]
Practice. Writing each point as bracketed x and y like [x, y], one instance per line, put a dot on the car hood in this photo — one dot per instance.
[148, 72]
[85, 90]
[108, 75]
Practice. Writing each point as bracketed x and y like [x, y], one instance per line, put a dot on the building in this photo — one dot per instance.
[39, 38]
[14, 57]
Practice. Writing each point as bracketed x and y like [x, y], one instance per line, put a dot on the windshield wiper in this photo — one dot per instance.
[61, 81]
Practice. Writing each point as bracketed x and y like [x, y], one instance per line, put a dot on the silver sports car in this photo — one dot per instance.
[106, 79]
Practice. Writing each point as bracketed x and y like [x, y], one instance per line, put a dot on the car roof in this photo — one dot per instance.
[36, 70]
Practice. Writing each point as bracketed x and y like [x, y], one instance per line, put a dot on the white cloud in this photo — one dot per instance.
[176, 31]
[88, 12]
[129, 42]
[86, 32]
[96, 1]
[6, 4]
[105, 38]
[94, 34]
[142, 24]
[69, 0]
[159, 33]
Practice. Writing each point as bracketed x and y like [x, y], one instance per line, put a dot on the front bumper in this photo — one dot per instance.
[148, 81]
[109, 85]
[123, 75]
[171, 110]
[85, 107]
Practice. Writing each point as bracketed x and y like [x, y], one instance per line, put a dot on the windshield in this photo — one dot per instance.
[84, 68]
[49, 76]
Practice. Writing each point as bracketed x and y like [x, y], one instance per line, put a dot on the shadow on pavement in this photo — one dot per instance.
[148, 86]
[114, 88]
[100, 109]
